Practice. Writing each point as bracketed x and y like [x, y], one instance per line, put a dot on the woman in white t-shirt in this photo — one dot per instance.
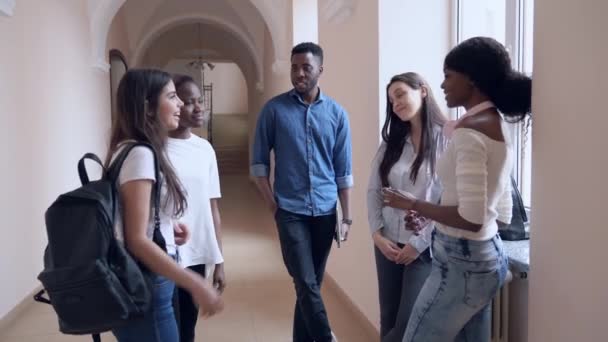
[148, 108]
[196, 167]
[469, 264]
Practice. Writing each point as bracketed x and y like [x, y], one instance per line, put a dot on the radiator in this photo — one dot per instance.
[500, 312]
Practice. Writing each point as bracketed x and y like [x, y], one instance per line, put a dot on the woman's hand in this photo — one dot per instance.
[208, 299]
[415, 222]
[181, 233]
[398, 199]
[407, 255]
[387, 247]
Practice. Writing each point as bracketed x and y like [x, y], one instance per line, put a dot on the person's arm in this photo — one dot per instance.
[135, 196]
[214, 194]
[342, 163]
[374, 193]
[263, 186]
[374, 209]
[260, 164]
[344, 195]
[504, 208]
[219, 277]
[447, 215]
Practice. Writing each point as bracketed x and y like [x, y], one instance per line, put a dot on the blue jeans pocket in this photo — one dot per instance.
[480, 287]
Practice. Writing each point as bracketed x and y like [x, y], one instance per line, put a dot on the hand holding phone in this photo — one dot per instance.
[398, 199]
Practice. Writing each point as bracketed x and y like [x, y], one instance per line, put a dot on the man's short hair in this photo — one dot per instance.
[313, 48]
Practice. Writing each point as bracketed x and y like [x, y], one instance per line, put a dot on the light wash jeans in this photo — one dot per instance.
[454, 303]
[159, 324]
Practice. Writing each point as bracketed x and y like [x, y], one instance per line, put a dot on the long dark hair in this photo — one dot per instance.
[137, 101]
[488, 65]
[395, 131]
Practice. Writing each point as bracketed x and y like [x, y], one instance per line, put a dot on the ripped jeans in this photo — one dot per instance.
[455, 301]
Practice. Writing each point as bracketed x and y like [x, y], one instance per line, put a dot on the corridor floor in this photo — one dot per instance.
[259, 298]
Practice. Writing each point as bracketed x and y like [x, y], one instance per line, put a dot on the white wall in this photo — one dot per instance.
[229, 89]
[230, 94]
[46, 92]
[50, 97]
[568, 296]
[414, 36]
[305, 20]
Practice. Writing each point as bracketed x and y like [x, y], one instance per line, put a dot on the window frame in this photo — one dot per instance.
[518, 13]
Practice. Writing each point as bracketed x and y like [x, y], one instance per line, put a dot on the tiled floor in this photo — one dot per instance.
[259, 298]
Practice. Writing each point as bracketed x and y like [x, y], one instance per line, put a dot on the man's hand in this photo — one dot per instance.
[344, 230]
[273, 207]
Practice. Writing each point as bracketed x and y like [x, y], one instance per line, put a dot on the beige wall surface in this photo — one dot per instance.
[351, 78]
[568, 296]
[50, 98]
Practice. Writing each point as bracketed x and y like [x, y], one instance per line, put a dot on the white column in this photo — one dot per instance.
[305, 21]
[350, 43]
[569, 272]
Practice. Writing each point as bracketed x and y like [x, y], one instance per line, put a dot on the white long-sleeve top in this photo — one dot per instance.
[474, 172]
[391, 221]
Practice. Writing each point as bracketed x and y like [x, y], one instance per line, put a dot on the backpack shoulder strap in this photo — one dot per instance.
[82, 170]
[114, 170]
[518, 203]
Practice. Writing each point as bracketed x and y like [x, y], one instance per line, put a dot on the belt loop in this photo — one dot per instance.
[177, 257]
[432, 243]
[495, 242]
[466, 251]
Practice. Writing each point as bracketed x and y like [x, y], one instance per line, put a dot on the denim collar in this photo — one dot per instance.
[294, 94]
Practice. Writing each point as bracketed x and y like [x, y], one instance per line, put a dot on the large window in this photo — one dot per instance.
[509, 22]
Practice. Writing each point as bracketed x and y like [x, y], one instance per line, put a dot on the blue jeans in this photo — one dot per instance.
[159, 323]
[454, 303]
[398, 288]
[305, 244]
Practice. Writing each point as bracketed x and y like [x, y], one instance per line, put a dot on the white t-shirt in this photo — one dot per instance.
[138, 165]
[475, 173]
[195, 163]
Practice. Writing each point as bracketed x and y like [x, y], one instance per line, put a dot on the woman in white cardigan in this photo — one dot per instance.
[412, 142]
[469, 264]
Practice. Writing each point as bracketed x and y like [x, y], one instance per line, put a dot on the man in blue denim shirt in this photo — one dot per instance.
[310, 136]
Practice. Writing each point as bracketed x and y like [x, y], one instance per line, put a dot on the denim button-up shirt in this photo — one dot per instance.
[312, 148]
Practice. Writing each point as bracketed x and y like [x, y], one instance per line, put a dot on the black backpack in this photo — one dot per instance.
[93, 283]
[518, 229]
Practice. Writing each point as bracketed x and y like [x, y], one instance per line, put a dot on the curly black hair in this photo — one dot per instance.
[181, 79]
[488, 65]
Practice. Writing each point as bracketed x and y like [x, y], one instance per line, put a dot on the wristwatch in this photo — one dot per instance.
[347, 221]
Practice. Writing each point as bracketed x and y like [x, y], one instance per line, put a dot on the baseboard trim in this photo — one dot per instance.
[15, 312]
[370, 329]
